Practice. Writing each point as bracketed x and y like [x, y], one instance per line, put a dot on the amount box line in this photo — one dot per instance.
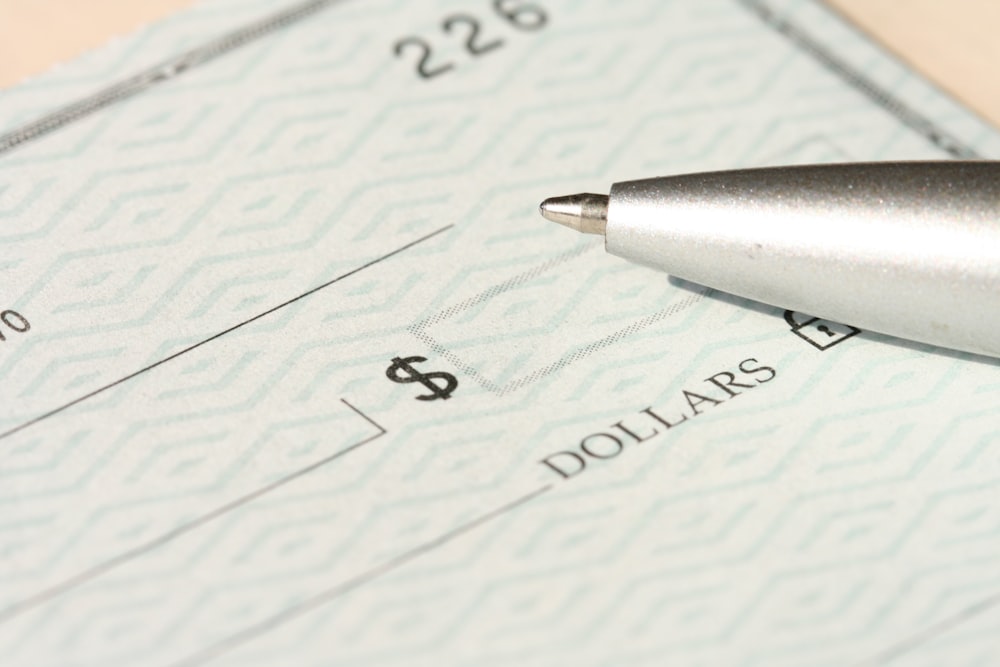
[328, 595]
[925, 636]
[100, 390]
[48, 594]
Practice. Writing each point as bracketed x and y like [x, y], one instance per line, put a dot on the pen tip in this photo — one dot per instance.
[587, 213]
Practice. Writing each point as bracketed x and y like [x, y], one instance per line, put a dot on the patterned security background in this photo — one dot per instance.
[198, 466]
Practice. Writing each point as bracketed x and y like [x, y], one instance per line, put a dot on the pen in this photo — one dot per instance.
[909, 249]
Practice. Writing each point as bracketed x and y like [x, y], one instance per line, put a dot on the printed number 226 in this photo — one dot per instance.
[523, 16]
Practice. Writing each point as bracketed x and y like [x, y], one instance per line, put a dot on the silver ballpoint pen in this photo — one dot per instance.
[910, 249]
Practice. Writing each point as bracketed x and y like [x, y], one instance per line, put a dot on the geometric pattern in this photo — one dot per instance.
[267, 496]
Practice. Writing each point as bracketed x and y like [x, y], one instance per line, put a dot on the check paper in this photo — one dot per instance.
[294, 373]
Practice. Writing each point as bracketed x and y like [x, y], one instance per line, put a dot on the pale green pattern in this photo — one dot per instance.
[229, 505]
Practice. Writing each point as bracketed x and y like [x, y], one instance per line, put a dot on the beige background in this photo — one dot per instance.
[950, 41]
[36, 34]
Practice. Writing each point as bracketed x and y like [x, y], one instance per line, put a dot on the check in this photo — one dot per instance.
[294, 373]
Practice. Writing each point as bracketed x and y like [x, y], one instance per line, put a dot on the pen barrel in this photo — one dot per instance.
[908, 249]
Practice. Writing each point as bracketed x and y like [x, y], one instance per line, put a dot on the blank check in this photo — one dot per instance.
[294, 373]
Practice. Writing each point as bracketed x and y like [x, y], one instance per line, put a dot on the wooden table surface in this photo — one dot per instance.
[950, 42]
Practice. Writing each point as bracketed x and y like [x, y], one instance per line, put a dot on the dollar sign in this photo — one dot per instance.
[402, 371]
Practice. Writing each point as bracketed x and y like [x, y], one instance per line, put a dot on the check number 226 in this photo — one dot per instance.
[524, 16]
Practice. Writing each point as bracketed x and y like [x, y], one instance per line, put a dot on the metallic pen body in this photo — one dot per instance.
[908, 249]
